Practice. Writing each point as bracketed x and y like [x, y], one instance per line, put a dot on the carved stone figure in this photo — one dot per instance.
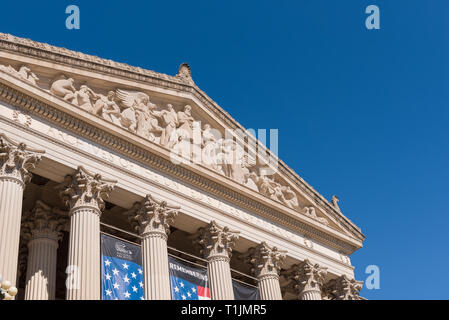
[129, 101]
[290, 199]
[64, 89]
[26, 74]
[209, 148]
[108, 109]
[265, 185]
[310, 212]
[185, 121]
[23, 73]
[232, 160]
[335, 201]
[147, 123]
[169, 120]
[85, 98]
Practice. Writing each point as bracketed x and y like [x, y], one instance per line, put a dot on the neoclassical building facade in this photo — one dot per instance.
[89, 145]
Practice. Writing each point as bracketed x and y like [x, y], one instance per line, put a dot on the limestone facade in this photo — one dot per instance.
[87, 143]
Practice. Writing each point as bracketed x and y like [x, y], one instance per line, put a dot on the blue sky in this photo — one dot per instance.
[361, 114]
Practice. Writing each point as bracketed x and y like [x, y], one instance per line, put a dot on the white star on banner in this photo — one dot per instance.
[133, 275]
[108, 276]
[116, 285]
[115, 271]
[126, 279]
[134, 288]
[125, 266]
[107, 263]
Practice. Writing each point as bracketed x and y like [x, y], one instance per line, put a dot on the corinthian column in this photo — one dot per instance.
[308, 280]
[267, 262]
[152, 219]
[15, 161]
[217, 245]
[343, 288]
[42, 228]
[84, 192]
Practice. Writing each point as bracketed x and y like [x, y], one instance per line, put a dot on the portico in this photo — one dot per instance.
[69, 170]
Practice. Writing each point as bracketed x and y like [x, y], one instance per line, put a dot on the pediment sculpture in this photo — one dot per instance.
[176, 130]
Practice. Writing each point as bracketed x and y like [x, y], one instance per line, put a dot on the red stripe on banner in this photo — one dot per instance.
[203, 292]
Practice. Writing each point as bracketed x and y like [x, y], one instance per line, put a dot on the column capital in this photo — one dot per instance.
[86, 189]
[307, 277]
[152, 217]
[16, 159]
[343, 288]
[217, 242]
[267, 261]
[43, 222]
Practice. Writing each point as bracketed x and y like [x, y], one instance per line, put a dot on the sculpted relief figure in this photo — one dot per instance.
[210, 147]
[129, 103]
[169, 120]
[133, 111]
[64, 88]
[85, 98]
[310, 212]
[185, 121]
[107, 108]
[26, 74]
[23, 73]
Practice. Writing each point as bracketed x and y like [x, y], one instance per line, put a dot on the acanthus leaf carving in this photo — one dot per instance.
[151, 216]
[343, 288]
[306, 276]
[266, 260]
[216, 241]
[43, 221]
[17, 159]
[86, 189]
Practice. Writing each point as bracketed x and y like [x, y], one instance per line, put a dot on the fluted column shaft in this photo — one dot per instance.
[153, 218]
[155, 266]
[41, 267]
[16, 159]
[219, 272]
[267, 262]
[269, 287]
[85, 192]
[84, 254]
[11, 194]
[310, 295]
[217, 243]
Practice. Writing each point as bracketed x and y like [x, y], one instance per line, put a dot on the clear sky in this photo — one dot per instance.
[361, 113]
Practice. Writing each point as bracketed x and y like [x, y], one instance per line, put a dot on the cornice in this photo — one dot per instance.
[71, 58]
[128, 148]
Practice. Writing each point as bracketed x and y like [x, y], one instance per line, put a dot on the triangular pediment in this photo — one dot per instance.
[172, 113]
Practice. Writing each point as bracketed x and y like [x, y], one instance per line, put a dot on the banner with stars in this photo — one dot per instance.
[121, 270]
[188, 282]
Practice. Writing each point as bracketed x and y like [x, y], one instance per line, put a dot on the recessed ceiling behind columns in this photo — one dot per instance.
[56, 172]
